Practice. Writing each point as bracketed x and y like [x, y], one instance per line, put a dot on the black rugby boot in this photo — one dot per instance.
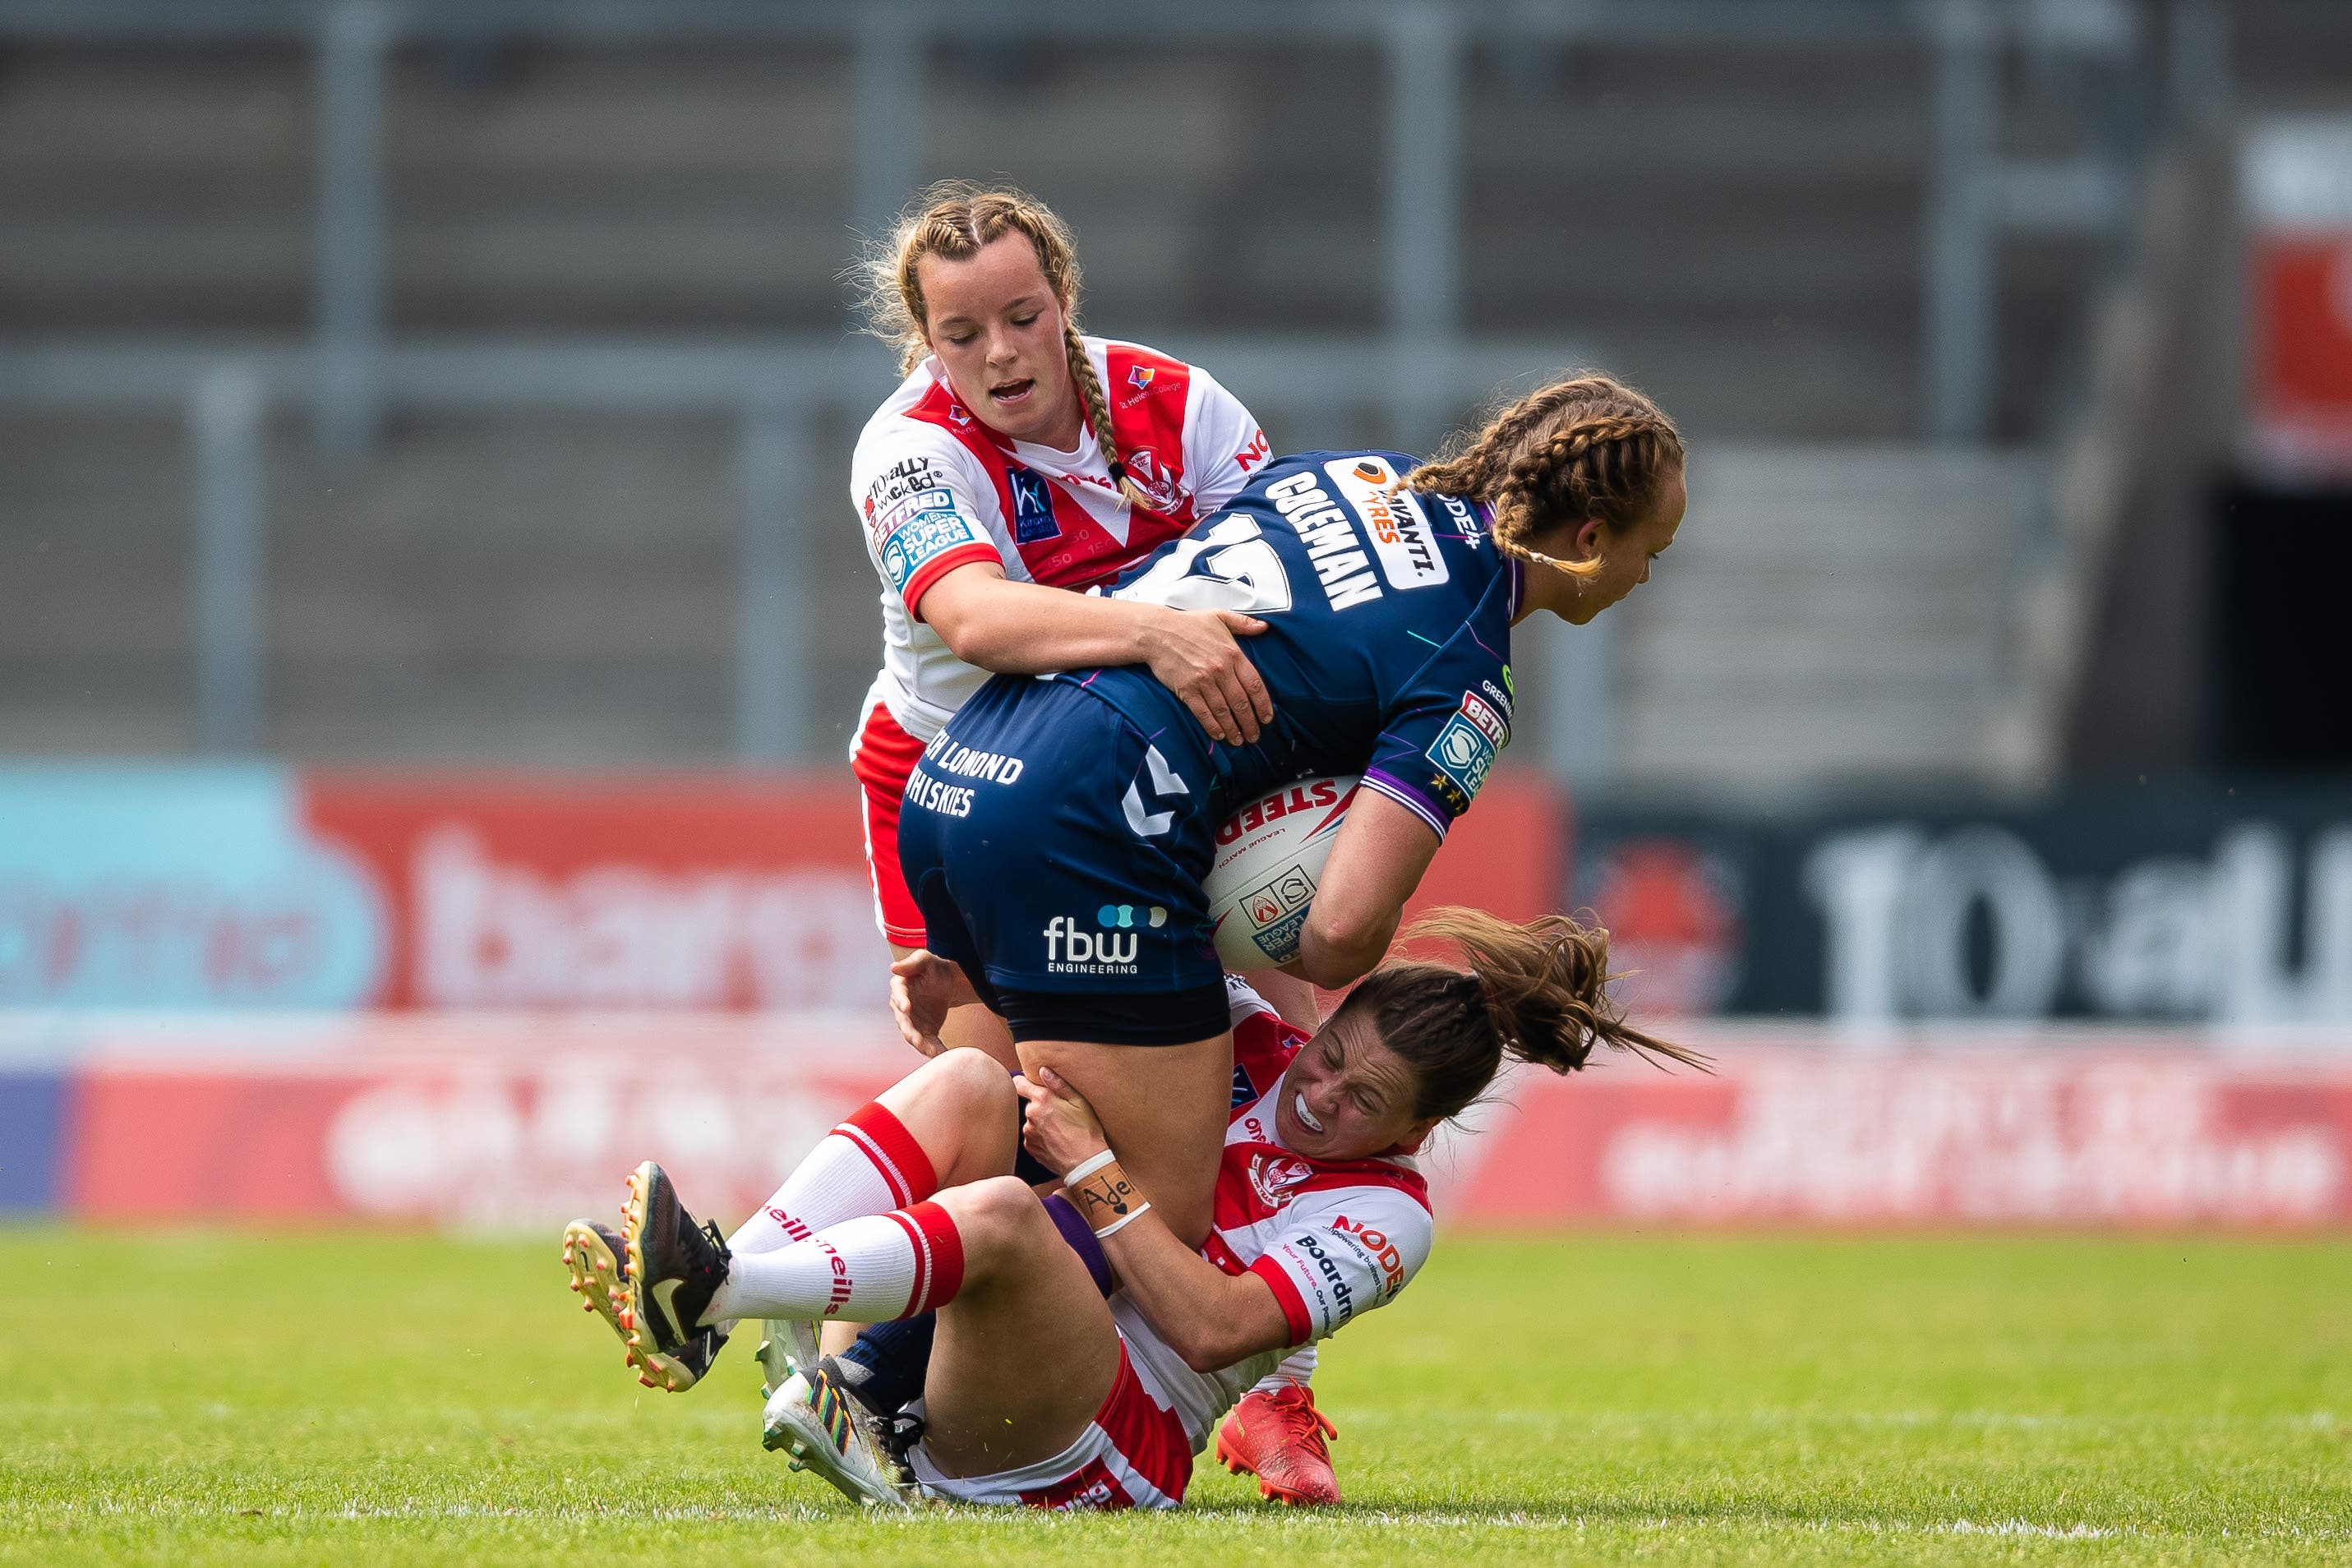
[674, 1268]
[599, 1263]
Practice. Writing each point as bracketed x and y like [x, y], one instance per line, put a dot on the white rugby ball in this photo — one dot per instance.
[1270, 855]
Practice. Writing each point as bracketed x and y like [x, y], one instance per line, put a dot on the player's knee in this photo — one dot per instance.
[976, 1081]
[979, 1076]
[998, 1218]
[1006, 1201]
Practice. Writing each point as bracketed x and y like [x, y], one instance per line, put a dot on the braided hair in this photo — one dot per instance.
[1536, 993]
[953, 220]
[1586, 447]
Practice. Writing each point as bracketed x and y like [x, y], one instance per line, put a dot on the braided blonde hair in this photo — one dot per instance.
[1588, 447]
[953, 220]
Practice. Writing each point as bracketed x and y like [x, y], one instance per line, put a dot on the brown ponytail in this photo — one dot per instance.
[1538, 993]
[953, 220]
[1588, 447]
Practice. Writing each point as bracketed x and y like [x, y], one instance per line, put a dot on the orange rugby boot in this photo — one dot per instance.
[1278, 1438]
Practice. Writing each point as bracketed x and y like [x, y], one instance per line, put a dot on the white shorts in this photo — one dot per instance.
[1134, 1454]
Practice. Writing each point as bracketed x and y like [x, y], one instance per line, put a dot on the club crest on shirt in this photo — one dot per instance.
[1155, 481]
[1276, 1177]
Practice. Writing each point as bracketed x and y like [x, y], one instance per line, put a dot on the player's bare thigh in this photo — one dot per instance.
[1163, 1108]
[1026, 1352]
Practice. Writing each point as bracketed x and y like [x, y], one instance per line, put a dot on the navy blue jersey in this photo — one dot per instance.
[1057, 834]
[1387, 648]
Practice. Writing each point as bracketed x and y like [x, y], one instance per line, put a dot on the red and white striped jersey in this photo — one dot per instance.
[936, 489]
[1333, 1240]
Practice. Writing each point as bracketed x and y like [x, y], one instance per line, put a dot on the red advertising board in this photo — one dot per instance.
[2298, 193]
[525, 1120]
[545, 892]
[2154, 1134]
[480, 1120]
[255, 887]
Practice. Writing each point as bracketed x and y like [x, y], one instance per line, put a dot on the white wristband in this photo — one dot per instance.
[1123, 1221]
[1088, 1167]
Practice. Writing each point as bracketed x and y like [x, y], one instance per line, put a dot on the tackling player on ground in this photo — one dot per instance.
[1047, 1385]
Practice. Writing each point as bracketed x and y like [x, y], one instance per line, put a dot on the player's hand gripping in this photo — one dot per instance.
[923, 988]
[1195, 655]
[1057, 1125]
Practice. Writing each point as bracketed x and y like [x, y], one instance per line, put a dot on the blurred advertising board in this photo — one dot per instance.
[518, 1121]
[2216, 907]
[483, 1121]
[255, 887]
[252, 887]
[2297, 187]
[2069, 1129]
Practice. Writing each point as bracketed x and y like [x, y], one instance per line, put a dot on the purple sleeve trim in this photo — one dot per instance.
[1080, 1240]
[1413, 800]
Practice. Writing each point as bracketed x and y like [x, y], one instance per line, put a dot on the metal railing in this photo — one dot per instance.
[774, 391]
[1419, 369]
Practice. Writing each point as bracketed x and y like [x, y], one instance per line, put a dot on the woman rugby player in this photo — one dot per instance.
[1015, 457]
[1322, 1217]
[1057, 821]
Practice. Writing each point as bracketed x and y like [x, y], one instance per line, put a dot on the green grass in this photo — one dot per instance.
[196, 1399]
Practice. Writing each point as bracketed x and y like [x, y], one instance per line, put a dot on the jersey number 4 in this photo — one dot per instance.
[1226, 566]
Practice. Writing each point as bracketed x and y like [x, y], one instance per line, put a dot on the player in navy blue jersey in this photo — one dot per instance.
[1057, 832]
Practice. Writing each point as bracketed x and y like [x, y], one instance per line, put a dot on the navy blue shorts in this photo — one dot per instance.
[1055, 850]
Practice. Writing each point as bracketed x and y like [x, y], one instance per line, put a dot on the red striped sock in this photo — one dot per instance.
[868, 1269]
[869, 1165]
[938, 1258]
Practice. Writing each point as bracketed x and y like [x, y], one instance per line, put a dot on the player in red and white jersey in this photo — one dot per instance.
[1332, 1237]
[1018, 457]
[1048, 1386]
[937, 487]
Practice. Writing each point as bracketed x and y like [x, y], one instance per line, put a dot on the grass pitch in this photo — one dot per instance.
[343, 1398]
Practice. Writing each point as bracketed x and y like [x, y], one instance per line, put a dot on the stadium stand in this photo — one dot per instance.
[525, 586]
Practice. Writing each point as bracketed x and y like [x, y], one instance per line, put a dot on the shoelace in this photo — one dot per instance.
[1301, 1423]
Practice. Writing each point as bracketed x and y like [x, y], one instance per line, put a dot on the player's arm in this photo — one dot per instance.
[1210, 1318]
[1293, 1000]
[1023, 628]
[1377, 861]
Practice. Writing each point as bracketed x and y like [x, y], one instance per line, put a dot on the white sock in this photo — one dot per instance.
[1298, 1366]
[869, 1165]
[864, 1270]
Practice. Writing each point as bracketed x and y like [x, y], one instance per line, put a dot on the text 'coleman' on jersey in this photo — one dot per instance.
[1388, 643]
[936, 489]
[1333, 1240]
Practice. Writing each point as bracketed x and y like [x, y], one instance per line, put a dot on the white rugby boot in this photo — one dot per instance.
[811, 1419]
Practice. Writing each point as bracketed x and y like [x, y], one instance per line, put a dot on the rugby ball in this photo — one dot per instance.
[1270, 855]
